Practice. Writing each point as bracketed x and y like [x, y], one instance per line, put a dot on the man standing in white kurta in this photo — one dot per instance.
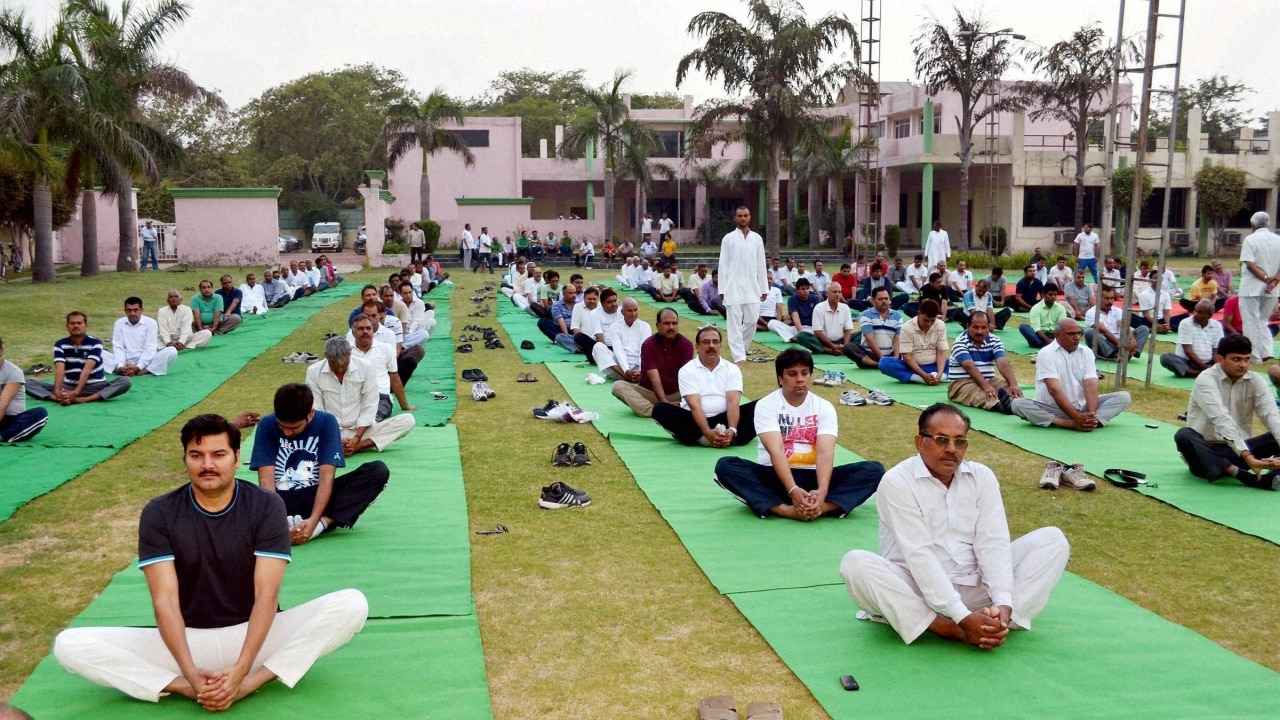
[946, 565]
[938, 246]
[1259, 279]
[743, 282]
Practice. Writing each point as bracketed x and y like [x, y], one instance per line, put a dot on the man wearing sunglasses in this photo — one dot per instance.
[1067, 386]
[946, 564]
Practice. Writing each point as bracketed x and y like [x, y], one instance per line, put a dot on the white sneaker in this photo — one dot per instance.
[481, 392]
[878, 397]
[1075, 477]
[1052, 474]
[852, 397]
[594, 379]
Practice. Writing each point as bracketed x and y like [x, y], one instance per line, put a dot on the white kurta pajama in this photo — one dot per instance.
[743, 282]
[1262, 248]
[136, 345]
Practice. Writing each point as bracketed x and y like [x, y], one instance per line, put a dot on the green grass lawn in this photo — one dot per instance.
[604, 601]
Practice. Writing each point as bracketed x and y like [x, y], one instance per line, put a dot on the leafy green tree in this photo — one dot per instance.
[215, 146]
[970, 59]
[1220, 193]
[1221, 115]
[17, 206]
[410, 124]
[541, 99]
[316, 133]
[622, 144]
[1122, 200]
[657, 101]
[710, 174]
[834, 158]
[780, 62]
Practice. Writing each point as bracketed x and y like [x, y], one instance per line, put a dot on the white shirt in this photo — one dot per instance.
[381, 334]
[918, 276]
[1203, 340]
[769, 306]
[467, 241]
[486, 244]
[171, 324]
[626, 341]
[1086, 245]
[581, 320]
[712, 386]
[1223, 411]
[252, 299]
[743, 273]
[1169, 281]
[1071, 370]
[417, 316]
[1062, 276]
[148, 234]
[799, 426]
[1147, 301]
[1262, 247]
[819, 280]
[354, 401]
[648, 248]
[961, 280]
[646, 226]
[832, 323]
[937, 247]
[664, 224]
[602, 322]
[382, 359]
[134, 344]
[1110, 319]
[531, 286]
[946, 536]
[1111, 278]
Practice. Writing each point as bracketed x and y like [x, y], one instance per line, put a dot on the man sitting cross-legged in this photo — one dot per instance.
[276, 291]
[1067, 386]
[794, 475]
[253, 295]
[1044, 319]
[1224, 401]
[214, 553]
[1197, 341]
[879, 327]
[594, 333]
[347, 388]
[832, 324]
[382, 359]
[133, 345]
[711, 388]
[1109, 328]
[557, 327]
[17, 423]
[175, 324]
[296, 454]
[661, 357]
[620, 358]
[946, 565]
[922, 348]
[975, 356]
[78, 376]
[978, 300]
[208, 312]
[422, 319]
[800, 309]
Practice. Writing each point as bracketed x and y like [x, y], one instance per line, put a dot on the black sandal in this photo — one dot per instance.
[464, 348]
[1127, 478]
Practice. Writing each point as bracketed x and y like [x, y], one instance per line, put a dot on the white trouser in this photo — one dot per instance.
[137, 662]
[1255, 312]
[158, 365]
[415, 338]
[786, 331]
[602, 356]
[508, 291]
[888, 590]
[466, 258]
[200, 338]
[906, 287]
[741, 327]
[626, 282]
[521, 301]
[386, 432]
[429, 321]
[1042, 414]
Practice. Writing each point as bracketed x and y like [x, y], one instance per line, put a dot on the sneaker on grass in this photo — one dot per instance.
[558, 496]
[878, 397]
[1075, 477]
[561, 458]
[852, 397]
[481, 392]
[580, 455]
[1052, 474]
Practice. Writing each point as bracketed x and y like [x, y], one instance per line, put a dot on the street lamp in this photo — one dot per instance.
[974, 34]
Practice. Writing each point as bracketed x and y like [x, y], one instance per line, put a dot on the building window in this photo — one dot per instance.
[474, 138]
[937, 119]
[878, 130]
[901, 128]
[1254, 200]
[670, 144]
[1055, 206]
[920, 125]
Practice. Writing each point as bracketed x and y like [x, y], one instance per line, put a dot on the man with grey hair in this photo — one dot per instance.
[347, 388]
[1067, 386]
[1259, 279]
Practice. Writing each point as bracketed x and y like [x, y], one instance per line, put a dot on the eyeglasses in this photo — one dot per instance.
[942, 441]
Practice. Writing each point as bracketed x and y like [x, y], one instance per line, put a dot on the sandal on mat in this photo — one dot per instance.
[717, 707]
[764, 711]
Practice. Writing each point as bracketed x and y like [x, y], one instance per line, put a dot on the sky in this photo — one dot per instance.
[244, 47]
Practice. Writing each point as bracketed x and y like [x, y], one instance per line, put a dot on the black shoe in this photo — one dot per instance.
[474, 375]
[580, 456]
[560, 458]
[464, 348]
[558, 496]
[526, 345]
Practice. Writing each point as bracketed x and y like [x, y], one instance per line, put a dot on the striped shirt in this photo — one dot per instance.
[984, 356]
[73, 357]
[883, 329]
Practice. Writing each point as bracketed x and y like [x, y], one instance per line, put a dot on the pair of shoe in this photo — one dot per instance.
[465, 348]
[526, 377]
[564, 455]
[467, 338]
[1073, 476]
[563, 412]
[874, 397]
[481, 391]
[300, 357]
[830, 378]
[494, 344]
[723, 707]
[474, 375]
[558, 496]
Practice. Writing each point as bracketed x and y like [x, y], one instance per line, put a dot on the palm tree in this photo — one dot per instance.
[779, 61]
[834, 159]
[969, 59]
[121, 51]
[623, 142]
[710, 175]
[411, 125]
[1078, 72]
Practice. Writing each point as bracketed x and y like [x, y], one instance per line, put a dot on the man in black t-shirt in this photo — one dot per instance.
[214, 553]
[1027, 292]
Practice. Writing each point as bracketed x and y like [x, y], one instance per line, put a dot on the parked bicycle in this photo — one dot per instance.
[10, 260]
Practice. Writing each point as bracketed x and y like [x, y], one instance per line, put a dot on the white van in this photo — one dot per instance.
[326, 236]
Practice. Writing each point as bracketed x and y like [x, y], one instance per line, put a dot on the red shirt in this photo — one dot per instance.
[848, 282]
[667, 359]
[1231, 319]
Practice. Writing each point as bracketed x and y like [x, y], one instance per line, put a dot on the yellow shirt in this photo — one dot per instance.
[1204, 289]
[668, 247]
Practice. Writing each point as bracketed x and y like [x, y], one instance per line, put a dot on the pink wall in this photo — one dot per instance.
[108, 232]
[235, 231]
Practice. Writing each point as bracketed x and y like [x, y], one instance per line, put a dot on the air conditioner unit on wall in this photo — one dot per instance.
[1064, 237]
[1179, 239]
[1231, 237]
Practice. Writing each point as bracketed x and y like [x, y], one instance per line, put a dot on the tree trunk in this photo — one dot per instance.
[1082, 143]
[962, 229]
[424, 198]
[772, 220]
[127, 255]
[608, 203]
[792, 201]
[814, 209]
[837, 241]
[42, 263]
[89, 233]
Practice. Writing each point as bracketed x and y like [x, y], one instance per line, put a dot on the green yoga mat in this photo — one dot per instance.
[435, 372]
[521, 326]
[106, 427]
[1092, 655]
[409, 553]
[400, 668]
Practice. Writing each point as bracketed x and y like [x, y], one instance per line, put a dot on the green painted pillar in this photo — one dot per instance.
[591, 156]
[762, 206]
[928, 127]
[591, 200]
[926, 202]
[1202, 231]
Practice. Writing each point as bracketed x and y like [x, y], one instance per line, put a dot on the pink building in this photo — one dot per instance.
[226, 226]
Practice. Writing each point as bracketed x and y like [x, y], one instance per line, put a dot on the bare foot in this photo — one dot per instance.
[180, 686]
